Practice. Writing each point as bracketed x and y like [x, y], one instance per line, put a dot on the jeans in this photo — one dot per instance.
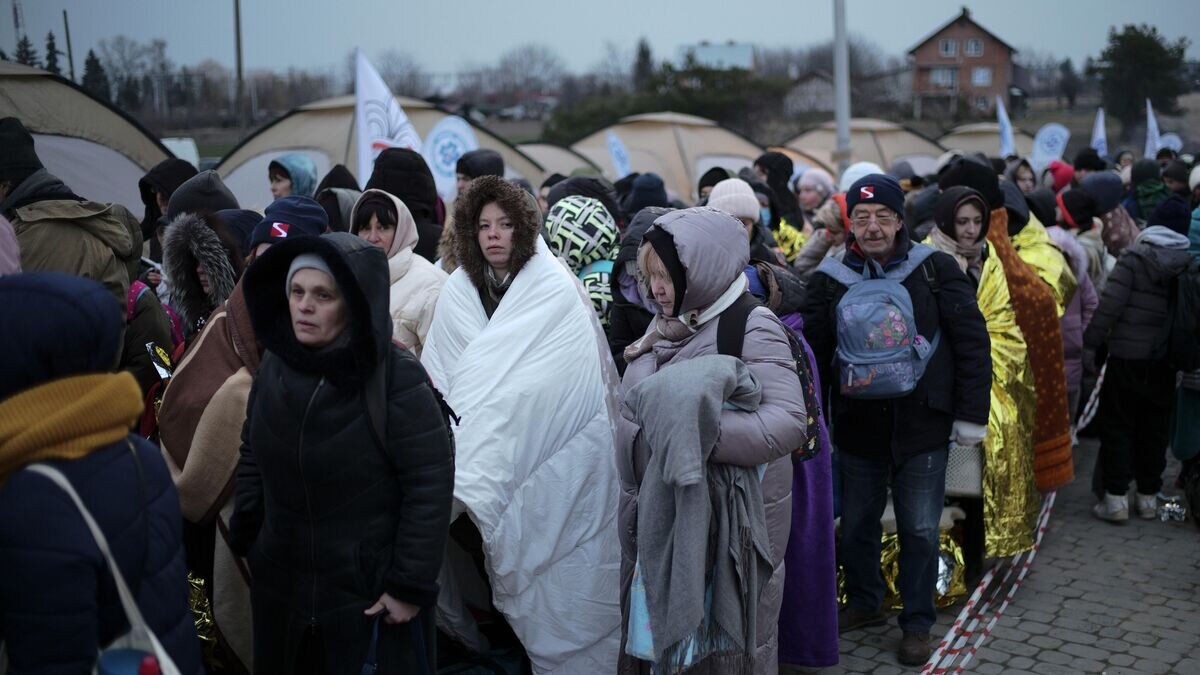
[1135, 418]
[918, 492]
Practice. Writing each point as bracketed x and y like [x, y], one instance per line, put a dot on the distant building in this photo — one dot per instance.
[725, 56]
[960, 61]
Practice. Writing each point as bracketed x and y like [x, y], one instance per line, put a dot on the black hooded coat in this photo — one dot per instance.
[330, 515]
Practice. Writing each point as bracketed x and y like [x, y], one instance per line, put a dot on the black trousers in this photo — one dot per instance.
[1134, 416]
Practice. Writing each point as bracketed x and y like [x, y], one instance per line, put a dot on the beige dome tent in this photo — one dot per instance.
[98, 151]
[984, 137]
[324, 131]
[677, 147]
[557, 159]
[872, 140]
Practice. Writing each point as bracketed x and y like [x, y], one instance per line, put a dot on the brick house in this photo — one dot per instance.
[960, 61]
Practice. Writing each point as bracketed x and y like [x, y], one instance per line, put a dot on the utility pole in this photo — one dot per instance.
[841, 85]
[70, 54]
[241, 85]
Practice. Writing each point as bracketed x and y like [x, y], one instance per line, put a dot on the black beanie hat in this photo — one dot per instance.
[712, 177]
[552, 180]
[1078, 208]
[481, 162]
[1089, 160]
[664, 246]
[17, 156]
[1174, 213]
[973, 174]
[1144, 170]
[1177, 170]
[338, 177]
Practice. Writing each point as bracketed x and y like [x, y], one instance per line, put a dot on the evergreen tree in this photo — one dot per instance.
[643, 66]
[95, 80]
[1137, 64]
[1068, 82]
[3, 56]
[52, 55]
[26, 54]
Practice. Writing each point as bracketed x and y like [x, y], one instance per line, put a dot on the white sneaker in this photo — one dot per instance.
[1113, 508]
[1147, 506]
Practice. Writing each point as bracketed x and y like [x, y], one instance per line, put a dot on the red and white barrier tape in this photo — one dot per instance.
[947, 654]
[1093, 404]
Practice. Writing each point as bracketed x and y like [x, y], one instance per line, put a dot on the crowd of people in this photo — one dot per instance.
[585, 424]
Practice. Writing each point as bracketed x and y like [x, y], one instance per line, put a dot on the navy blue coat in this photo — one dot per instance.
[58, 602]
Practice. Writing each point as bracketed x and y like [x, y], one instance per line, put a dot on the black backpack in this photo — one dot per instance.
[731, 334]
[1179, 342]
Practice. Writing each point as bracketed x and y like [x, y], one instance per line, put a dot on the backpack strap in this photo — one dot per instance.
[136, 290]
[839, 272]
[731, 325]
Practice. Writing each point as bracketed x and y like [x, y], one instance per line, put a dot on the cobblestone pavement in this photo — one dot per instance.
[1100, 598]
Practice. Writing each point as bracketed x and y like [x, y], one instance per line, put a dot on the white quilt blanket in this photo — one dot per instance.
[535, 466]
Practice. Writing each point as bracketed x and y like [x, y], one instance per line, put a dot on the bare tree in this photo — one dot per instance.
[404, 75]
[529, 68]
[123, 57]
[614, 69]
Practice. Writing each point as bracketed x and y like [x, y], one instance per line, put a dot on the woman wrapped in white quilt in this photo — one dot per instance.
[516, 349]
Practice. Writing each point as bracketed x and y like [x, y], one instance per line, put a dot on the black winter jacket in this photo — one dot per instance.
[1133, 306]
[957, 381]
[329, 519]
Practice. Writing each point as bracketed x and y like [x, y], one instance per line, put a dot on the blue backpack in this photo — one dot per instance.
[880, 355]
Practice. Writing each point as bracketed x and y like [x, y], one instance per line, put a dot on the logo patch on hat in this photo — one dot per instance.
[280, 230]
[866, 192]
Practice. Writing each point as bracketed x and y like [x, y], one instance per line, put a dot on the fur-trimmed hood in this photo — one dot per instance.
[200, 238]
[515, 203]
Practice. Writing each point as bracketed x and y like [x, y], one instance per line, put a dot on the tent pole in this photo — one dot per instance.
[70, 54]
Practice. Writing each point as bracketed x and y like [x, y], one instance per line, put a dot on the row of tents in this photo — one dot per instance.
[101, 152]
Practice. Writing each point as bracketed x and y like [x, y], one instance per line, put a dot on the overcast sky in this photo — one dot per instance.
[446, 34]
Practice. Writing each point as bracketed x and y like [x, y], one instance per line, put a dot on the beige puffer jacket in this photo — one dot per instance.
[705, 243]
[415, 282]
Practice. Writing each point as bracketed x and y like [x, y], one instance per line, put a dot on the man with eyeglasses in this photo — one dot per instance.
[899, 442]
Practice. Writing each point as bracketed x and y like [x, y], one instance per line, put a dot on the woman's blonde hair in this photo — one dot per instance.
[649, 264]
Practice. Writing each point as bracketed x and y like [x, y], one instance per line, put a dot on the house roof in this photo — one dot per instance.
[964, 14]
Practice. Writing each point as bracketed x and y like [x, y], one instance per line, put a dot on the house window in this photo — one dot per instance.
[981, 103]
[943, 77]
[974, 48]
[948, 47]
[981, 77]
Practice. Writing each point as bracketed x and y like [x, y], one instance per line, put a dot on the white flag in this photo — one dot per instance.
[1048, 145]
[1007, 145]
[379, 121]
[620, 156]
[1099, 136]
[1153, 142]
[450, 139]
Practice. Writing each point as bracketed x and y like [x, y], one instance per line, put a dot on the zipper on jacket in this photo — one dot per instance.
[312, 530]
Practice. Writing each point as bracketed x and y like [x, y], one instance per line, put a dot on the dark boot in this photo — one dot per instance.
[851, 618]
[914, 649]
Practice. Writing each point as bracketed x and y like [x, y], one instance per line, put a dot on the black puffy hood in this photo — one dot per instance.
[338, 177]
[165, 177]
[481, 162]
[1017, 207]
[361, 272]
[628, 251]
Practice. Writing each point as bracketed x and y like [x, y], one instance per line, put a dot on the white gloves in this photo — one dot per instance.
[967, 434]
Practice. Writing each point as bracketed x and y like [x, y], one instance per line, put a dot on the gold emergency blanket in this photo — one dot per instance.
[1036, 248]
[790, 239]
[1010, 495]
[951, 582]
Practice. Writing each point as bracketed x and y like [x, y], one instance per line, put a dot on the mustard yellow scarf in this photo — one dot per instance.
[66, 419]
